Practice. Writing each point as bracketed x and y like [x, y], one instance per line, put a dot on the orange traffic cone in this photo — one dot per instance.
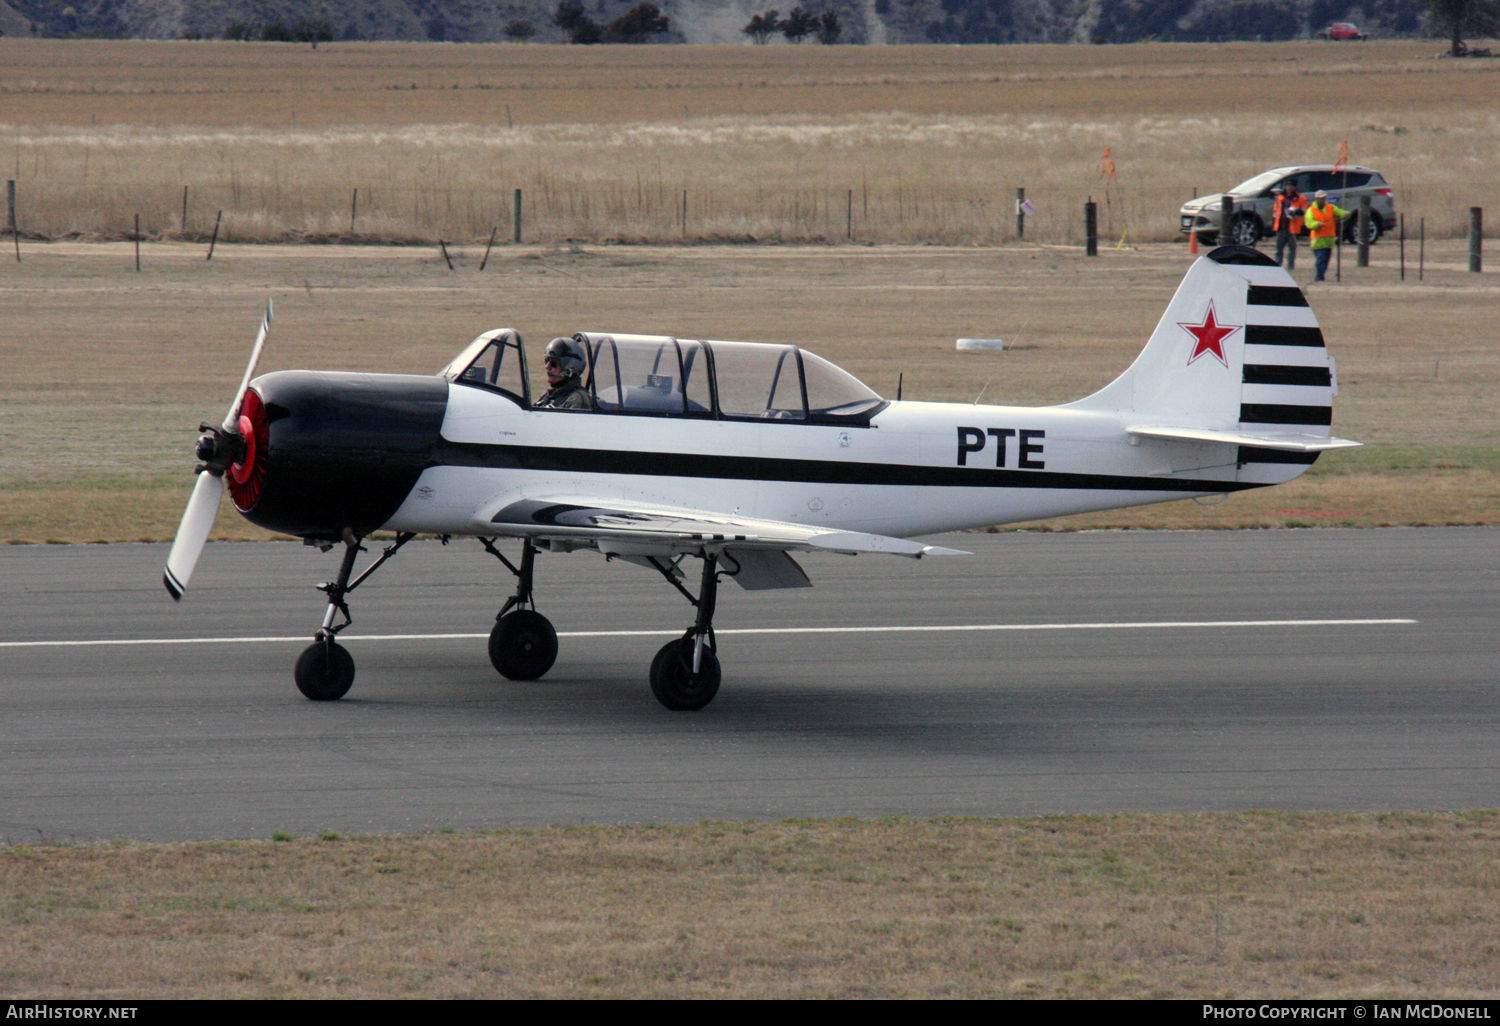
[1192, 243]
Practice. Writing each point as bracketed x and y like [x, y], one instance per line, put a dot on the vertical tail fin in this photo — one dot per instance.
[1237, 358]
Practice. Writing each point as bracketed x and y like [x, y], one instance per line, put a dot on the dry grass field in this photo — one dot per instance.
[670, 144]
[1254, 905]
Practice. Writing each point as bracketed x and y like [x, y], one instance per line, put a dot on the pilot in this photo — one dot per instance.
[565, 363]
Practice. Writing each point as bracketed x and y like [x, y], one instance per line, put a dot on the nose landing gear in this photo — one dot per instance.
[325, 669]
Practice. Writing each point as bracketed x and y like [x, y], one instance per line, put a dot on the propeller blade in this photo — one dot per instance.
[192, 533]
[232, 421]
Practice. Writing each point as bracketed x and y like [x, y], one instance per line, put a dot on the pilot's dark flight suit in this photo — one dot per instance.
[569, 395]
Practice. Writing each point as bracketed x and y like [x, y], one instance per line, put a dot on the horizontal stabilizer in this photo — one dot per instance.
[1277, 440]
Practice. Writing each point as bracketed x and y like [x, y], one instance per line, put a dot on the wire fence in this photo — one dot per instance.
[551, 210]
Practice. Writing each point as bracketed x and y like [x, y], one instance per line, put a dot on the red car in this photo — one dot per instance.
[1342, 30]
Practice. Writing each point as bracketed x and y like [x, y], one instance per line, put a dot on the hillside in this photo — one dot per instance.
[723, 21]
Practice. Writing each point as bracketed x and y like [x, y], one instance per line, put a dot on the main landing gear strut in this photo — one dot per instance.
[685, 673]
[325, 669]
[523, 643]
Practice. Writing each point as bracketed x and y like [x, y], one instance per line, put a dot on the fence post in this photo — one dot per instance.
[1476, 233]
[488, 246]
[10, 204]
[516, 221]
[1226, 218]
[183, 227]
[215, 237]
[1403, 247]
[137, 243]
[444, 247]
[849, 218]
[1421, 247]
[1091, 228]
[1362, 229]
[1020, 213]
[353, 209]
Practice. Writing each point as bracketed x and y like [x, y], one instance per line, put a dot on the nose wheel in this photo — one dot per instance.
[324, 671]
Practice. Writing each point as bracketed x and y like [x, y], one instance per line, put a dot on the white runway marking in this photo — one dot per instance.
[1156, 624]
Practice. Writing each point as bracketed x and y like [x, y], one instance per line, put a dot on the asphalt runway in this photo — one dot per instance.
[1112, 672]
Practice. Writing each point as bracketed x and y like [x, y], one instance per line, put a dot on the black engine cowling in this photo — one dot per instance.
[340, 450]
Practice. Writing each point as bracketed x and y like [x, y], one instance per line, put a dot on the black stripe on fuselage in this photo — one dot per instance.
[1260, 454]
[1283, 413]
[1282, 335]
[1272, 374]
[559, 460]
[1275, 295]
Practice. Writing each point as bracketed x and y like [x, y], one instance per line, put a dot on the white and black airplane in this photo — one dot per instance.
[739, 454]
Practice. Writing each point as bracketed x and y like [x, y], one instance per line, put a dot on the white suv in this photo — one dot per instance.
[1255, 198]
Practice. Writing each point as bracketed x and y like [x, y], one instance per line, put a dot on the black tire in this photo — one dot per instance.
[672, 679]
[523, 645]
[1351, 231]
[1244, 230]
[324, 671]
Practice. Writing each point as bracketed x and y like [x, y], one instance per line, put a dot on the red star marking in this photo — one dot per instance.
[1210, 335]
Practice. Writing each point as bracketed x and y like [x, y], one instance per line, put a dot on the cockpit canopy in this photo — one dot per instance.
[657, 375]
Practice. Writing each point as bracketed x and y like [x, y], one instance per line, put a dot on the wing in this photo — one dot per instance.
[630, 528]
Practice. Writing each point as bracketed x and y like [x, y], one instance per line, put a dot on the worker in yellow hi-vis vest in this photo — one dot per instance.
[1322, 220]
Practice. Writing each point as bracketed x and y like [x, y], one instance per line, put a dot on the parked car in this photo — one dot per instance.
[1254, 199]
[1342, 30]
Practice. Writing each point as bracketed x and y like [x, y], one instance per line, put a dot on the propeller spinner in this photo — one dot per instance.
[227, 449]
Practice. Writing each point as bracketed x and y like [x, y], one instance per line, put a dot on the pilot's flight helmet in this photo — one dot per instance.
[569, 355]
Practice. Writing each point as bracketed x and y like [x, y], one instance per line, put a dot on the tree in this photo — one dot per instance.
[798, 25]
[762, 27]
[568, 14]
[1458, 18]
[312, 30]
[581, 29]
[519, 30]
[638, 24]
[829, 28]
[276, 32]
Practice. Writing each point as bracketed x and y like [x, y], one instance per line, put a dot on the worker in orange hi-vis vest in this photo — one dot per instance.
[1322, 222]
[1287, 222]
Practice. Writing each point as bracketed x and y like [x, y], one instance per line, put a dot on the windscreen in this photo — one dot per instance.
[1255, 186]
[833, 391]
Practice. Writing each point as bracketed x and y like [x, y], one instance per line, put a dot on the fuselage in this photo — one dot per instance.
[430, 455]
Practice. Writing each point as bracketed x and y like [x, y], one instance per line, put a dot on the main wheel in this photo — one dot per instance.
[324, 671]
[673, 681]
[523, 645]
[1245, 230]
